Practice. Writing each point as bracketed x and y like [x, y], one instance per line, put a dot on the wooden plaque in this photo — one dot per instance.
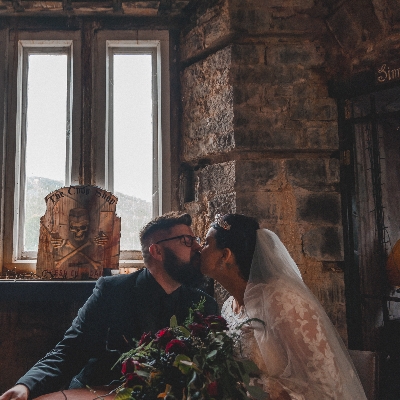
[79, 234]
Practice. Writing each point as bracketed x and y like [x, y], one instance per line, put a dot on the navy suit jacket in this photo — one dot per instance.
[121, 307]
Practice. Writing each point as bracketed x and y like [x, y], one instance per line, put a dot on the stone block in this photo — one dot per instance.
[306, 54]
[248, 54]
[320, 208]
[273, 105]
[314, 109]
[207, 107]
[320, 135]
[354, 25]
[295, 23]
[212, 25]
[260, 175]
[318, 174]
[222, 203]
[243, 94]
[265, 136]
[254, 17]
[270, 207]
[252, 74]
[191, 44]
[217, 28]
[217, 178]
[324, 243]
[394, 7]
[309, 89]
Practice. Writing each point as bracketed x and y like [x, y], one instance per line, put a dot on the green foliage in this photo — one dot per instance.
[189, 362]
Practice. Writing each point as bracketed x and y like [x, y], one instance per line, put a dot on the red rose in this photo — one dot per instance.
[198, 330]
[146, 338]
[198, 317]
[212, 389]
[133, 379]
[128, 366]
[216, 323]
[176, 346]
[164, 336]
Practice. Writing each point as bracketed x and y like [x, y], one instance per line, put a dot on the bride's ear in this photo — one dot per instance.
[227, 255]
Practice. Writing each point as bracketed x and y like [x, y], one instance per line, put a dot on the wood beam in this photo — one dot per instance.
[17, 6]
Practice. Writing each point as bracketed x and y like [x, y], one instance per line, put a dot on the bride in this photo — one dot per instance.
[296, 347]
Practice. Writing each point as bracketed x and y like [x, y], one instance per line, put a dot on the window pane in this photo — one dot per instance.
[45, 137]
[133, 143]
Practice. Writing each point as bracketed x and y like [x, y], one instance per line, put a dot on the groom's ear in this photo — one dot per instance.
[155, 252]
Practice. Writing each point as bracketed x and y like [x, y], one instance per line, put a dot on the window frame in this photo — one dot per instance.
[158, 43]
[25, 49]
[10, 177]
[19, 44]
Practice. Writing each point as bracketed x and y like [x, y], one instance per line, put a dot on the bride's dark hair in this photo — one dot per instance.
[238, 233]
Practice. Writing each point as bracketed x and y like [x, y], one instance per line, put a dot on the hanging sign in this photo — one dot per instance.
[387, 73]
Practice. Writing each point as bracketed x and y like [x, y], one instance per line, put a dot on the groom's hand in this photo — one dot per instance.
[18, 392]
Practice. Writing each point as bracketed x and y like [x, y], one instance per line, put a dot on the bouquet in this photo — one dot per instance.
[193, 361]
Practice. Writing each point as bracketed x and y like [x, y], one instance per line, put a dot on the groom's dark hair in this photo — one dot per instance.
[238, 233]
[161, 223]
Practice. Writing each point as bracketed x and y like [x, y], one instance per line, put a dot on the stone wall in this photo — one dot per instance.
[259, 132]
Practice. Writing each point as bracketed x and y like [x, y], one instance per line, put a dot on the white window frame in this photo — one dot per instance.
[11, 178]
[156, 42]
[25, 49]
[23, 44]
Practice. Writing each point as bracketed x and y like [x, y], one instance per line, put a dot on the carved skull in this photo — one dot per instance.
[78, 223]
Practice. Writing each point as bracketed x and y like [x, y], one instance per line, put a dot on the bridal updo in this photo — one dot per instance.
[238, 233]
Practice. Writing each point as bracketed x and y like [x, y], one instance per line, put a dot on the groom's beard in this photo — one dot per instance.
[188, 273]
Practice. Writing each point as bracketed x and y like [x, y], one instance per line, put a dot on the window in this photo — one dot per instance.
[120, 107]
[132, 139]
[44, 115]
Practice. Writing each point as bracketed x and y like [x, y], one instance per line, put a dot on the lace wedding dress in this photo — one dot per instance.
[296, 347]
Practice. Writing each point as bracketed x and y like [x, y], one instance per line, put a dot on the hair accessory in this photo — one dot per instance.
[223, 224]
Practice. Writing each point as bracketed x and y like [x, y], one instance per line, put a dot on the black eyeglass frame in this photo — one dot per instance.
[186, 240]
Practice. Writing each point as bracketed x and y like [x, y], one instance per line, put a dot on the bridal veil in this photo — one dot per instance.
[299, 345]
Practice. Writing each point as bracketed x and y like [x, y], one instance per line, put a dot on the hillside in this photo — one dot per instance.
[134, 213]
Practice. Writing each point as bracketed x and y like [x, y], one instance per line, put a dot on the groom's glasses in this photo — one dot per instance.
[187, 240]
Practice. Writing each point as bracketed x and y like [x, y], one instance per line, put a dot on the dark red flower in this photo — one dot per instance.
[176, 346]
[133, 379]
[198, 330]
[146, 338]
[216, 322]
[128, 366]
[212, 389]
[198, 317]
[164, 336]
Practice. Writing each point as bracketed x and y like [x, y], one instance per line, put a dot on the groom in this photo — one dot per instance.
[123, 307]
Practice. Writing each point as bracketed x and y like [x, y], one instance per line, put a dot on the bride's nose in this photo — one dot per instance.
[196, 246]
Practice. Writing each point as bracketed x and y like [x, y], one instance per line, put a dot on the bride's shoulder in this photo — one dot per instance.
[227, 306]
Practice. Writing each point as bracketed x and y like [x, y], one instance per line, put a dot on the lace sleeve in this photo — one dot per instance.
[298, 324]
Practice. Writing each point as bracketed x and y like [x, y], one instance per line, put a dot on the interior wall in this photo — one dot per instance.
[259, 129]
[259, 133]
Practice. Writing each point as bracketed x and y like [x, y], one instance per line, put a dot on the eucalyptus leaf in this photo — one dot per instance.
[142, 373]
[193, 380]
[211, 354]
[257, 393]
[173, 322]
[250, 367]
[184, 363]
[185, 332]
[124, 394]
